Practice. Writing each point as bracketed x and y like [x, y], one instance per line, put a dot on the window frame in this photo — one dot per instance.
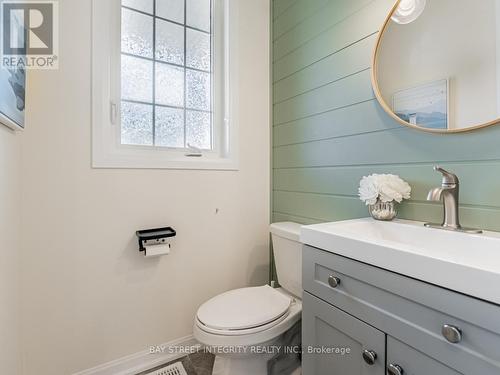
[107, 150]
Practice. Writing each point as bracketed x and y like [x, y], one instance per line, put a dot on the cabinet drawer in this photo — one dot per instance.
[413, 362]
[333, 342]
[409, 310]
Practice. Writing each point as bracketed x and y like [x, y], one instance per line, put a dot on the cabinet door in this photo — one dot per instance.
[333, 341]
[413, 362]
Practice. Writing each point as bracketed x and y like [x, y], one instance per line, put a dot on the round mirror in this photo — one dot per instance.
[436, 65]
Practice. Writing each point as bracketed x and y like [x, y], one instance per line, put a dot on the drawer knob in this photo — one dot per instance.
[333, 281]
[452, 334]
[394, 369]
[370, 357]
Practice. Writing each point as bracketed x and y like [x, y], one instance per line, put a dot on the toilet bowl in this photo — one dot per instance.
[250, 329]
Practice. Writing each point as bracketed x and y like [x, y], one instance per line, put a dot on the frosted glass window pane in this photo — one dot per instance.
[142, 5]
[171, 10]
[137, 79]
[137, 124]
[198, 14]
[171, 107]
[169, 42]
[198, 50]
[198, 90]
[198, 129]
[137, 33]
[169, 85]
[169, 127]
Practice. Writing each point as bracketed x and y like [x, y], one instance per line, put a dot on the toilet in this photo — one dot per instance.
[245, 327]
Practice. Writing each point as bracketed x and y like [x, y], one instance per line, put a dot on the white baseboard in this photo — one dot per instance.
[144, 360]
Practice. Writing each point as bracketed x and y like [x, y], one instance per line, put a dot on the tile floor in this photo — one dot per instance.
[200, 363]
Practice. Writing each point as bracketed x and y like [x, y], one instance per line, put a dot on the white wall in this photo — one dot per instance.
[447, 41]
[88, 296]
[9, 249]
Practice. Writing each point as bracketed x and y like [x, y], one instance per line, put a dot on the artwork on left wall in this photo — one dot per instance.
[12, 97]
[13, 89]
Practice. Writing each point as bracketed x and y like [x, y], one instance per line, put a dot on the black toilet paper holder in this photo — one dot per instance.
[157, 236]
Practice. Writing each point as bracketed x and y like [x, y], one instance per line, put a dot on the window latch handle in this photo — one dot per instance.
[113, 112]
[194, 152]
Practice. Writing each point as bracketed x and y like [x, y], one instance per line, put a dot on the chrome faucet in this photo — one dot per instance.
[449, 194]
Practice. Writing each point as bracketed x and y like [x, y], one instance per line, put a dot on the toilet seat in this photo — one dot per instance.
[239, 332]
[220, 338]
[244, 311]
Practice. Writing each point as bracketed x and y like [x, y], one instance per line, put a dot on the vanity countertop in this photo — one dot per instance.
[466, 263]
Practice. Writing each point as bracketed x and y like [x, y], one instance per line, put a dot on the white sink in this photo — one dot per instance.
[466, 263]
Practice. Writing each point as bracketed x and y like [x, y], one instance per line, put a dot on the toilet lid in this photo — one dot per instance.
[244, 308]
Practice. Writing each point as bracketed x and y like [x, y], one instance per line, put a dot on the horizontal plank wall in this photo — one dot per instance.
[329, 130]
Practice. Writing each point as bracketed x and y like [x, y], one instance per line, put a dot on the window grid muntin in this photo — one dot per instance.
[154, 74]
[184, 66]
[185, 74]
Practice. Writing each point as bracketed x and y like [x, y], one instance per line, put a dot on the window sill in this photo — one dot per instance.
[106, 155]
[201, 163]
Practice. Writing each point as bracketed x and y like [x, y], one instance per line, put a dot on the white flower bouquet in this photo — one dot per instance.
[381, 191]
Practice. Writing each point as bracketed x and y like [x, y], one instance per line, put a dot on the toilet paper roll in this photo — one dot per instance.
[157, 250]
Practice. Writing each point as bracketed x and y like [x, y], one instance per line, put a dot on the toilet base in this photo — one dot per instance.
[272, 361]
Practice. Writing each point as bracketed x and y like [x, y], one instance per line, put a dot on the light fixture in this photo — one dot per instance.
[408, 11]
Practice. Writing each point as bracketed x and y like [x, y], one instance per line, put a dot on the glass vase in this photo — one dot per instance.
[384, 211]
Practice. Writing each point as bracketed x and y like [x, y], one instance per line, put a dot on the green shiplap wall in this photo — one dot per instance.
[329, 130]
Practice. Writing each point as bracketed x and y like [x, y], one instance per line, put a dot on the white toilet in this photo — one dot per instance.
[245, 326]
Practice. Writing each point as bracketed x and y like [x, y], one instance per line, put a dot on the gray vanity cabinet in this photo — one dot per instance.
[332, 331]
[402, 358]
[428, 330]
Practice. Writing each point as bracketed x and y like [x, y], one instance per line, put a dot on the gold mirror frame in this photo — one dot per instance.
[384, 104]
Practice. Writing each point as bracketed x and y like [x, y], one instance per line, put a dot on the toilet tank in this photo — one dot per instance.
[288, 256]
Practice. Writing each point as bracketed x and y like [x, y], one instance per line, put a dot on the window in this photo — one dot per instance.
[161, 83]
[166, 79]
